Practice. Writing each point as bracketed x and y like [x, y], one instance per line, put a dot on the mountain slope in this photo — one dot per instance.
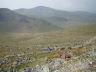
[60, 18]
[11, 21]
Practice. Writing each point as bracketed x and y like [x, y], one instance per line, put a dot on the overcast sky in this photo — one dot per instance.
[70, 5]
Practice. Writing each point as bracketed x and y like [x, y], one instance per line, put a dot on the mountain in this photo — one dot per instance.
[39, 11]
[42, 19]
[60, 18]
[10, 21]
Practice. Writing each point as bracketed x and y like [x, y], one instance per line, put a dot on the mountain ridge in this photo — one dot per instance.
[61, 18]
[11, 21]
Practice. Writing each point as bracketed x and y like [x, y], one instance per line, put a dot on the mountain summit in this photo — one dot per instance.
[39, 11]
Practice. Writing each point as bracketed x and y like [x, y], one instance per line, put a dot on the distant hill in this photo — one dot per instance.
[60, 18]
[39, 11]
[10, 21]
[42, 19]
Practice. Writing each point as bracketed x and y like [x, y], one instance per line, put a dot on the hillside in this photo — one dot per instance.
[60, 18]
[11, 21]
[42, 50]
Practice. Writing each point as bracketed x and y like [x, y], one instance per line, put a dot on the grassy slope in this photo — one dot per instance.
[66, 37]
[16, 43]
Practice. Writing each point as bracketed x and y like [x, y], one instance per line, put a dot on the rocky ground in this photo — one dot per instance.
[62, 59]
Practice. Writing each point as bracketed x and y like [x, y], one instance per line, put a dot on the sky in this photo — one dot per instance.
[69, 5]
